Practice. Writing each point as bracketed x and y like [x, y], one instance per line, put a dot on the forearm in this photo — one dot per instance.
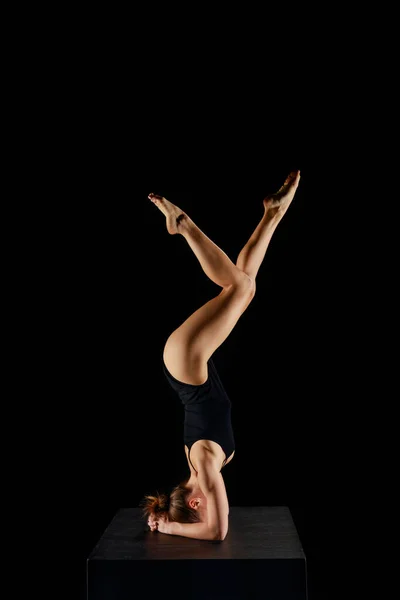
[199, 531]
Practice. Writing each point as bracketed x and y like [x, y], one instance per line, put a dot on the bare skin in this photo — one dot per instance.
[251, 256]
[274, 204]
[189, 347]
[196, 500]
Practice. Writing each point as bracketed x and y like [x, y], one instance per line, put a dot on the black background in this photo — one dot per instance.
[107, 116]
[127, 284]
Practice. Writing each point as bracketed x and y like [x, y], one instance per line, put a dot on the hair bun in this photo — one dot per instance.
[162, 503]
[155, 504]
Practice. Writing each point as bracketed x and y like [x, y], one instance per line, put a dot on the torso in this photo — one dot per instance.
[203, 447]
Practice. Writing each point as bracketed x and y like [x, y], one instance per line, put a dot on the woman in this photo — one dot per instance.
[198, 507]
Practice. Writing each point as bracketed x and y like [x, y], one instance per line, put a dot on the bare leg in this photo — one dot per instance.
[215, 263]
[275, 206]
[189, 347]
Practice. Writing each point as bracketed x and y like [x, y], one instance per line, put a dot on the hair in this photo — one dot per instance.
[173, 505]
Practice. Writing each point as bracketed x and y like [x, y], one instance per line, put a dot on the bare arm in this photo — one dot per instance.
[213, 487]
[216, 527]
[199, 531]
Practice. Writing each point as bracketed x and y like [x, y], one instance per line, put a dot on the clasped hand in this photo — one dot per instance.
[159, 523]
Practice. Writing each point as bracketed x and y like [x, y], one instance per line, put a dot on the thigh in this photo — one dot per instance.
[189, 347]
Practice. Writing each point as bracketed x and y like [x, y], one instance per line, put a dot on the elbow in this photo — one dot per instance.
[221, 535]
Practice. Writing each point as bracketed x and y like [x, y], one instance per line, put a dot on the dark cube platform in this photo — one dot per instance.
[261, 558]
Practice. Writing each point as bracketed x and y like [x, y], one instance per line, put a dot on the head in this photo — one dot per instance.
[185, 503]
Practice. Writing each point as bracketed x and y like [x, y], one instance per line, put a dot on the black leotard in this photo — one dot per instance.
[207, 411]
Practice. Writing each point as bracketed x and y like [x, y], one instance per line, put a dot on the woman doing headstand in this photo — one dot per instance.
[198, 506]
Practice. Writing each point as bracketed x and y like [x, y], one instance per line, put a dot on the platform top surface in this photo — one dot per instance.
[255, 532]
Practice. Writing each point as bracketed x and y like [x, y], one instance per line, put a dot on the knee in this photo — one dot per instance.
[248, 286]
[172, 345]
[176, 348]
[252, 286]
[244, 290]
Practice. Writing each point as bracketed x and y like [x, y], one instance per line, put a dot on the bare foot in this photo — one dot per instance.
[279, 202]
[174, 215]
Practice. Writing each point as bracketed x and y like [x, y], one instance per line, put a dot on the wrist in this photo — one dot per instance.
[172, 528]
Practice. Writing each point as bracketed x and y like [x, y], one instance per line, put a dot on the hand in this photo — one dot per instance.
[152, 522]
[162, 524]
